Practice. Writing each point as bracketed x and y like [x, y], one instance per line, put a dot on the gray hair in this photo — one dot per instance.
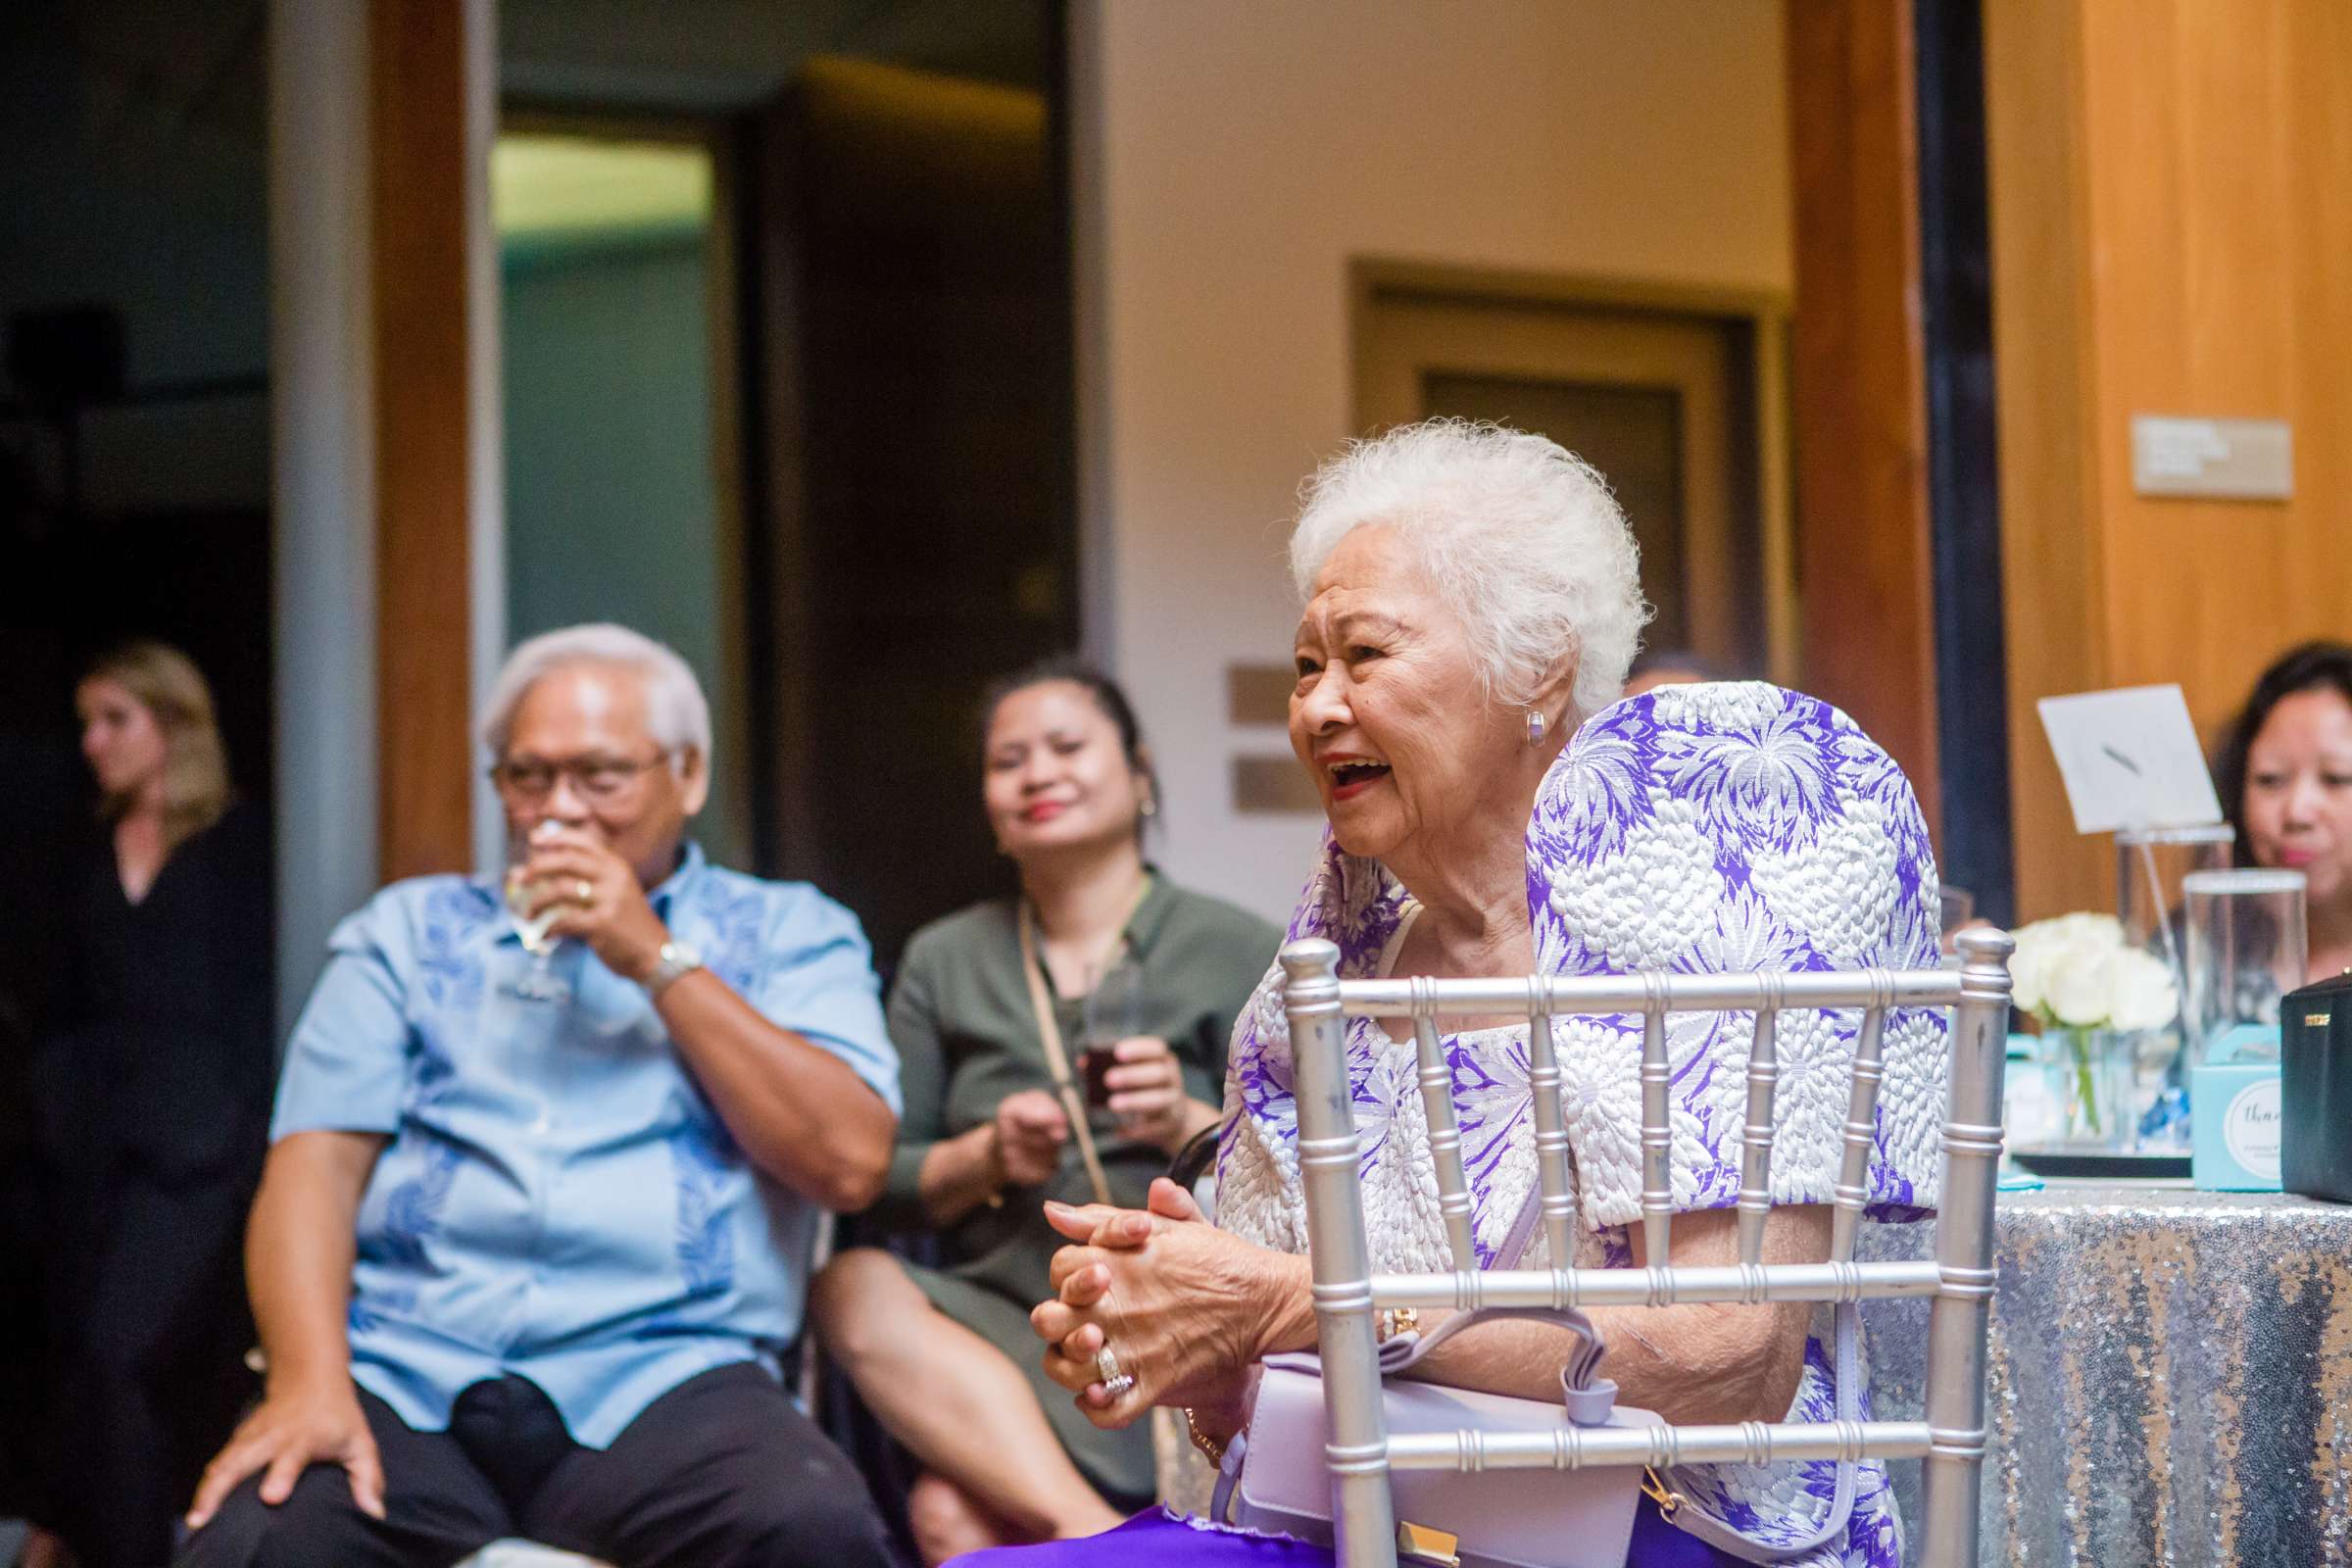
[677, 713]
[1519, 536]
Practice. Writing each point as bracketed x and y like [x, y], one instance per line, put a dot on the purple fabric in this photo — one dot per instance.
[1696, 829]
[1159, 1539]
[1699, 829]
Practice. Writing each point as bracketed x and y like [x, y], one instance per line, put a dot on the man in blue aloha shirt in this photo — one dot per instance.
[535, 1226]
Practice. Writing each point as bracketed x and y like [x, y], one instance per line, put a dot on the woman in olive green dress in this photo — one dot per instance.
[946, 1357]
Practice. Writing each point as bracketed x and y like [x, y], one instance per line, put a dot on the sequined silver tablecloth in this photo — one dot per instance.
[2171, 1379]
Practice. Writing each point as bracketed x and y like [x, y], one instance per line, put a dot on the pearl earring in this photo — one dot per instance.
[1535, 726]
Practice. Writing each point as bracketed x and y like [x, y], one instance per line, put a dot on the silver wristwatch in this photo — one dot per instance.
[677, 959]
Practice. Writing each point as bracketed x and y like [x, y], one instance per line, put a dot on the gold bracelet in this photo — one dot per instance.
[1212, 1448]
[1393, 1320]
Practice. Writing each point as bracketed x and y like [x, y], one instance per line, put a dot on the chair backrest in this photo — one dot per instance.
[1960, 1278]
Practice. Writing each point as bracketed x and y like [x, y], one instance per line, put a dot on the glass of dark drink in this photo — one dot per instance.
[1094, 1075]
[1112, 1012]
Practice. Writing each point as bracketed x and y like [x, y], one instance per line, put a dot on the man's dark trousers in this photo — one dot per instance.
[723, 1471]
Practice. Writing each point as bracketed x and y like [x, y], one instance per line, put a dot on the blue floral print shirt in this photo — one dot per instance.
[558, 1200]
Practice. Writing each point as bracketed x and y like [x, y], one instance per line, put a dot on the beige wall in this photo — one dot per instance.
[1232, 158]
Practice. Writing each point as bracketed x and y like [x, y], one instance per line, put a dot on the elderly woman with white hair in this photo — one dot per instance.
[1471, 600]
[546, 1170]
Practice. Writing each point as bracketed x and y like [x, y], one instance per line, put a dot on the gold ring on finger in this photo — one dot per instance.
[583, 892]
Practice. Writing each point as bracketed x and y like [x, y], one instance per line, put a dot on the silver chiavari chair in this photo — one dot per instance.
[1347, 1295]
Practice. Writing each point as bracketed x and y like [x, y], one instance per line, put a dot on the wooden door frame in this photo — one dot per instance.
[1760, 317]
[1895, 408]
[421, 235]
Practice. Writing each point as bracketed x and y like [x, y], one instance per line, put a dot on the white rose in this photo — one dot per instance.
[2047, 948]
[2145, 997]
[2029, 973]
[2030, 996]
[2091, 930]
[2081, 987]
[2029, 965]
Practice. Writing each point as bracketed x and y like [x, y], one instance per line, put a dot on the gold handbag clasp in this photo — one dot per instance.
[1658, 1494]
[1425, 1544]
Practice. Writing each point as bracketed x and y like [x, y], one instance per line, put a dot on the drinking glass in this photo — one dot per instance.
[2245, 950]
[2149, 863]
[1112, 1011]
[1959, 907]
[540, 982]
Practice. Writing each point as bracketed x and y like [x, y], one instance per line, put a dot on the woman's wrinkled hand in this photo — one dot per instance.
[1186, 1308]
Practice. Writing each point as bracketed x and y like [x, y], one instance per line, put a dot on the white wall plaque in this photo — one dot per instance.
[2229, 459]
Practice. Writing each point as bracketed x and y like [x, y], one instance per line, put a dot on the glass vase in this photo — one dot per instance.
[2091, 1086]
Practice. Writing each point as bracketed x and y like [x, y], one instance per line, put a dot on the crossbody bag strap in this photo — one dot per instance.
[1588, 1396]
[1847, 1333]
[1058, 1063]
[1848, 1362]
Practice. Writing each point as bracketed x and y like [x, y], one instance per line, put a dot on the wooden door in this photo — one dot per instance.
[914, 532]
[1662, 402]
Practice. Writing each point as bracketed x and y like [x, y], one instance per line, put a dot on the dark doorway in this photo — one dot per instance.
[891, 385]
[134, 411]
[134, 469]
[913, 523]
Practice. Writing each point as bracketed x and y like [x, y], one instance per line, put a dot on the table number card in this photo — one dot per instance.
[2129, 759]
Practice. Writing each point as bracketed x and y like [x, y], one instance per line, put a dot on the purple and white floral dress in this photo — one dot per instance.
[1695, 829]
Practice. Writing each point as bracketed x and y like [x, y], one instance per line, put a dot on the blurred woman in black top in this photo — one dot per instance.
[152, 1098]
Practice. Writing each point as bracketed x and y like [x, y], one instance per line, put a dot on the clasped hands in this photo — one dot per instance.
[1187, 1310]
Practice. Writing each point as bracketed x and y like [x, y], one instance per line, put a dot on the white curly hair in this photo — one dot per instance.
[677, 715]
[1520, 537]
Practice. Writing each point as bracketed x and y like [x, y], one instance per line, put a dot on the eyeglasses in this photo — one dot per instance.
[601, 780]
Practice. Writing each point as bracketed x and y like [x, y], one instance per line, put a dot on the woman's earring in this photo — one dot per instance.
[1149, 809]
[1535, 726]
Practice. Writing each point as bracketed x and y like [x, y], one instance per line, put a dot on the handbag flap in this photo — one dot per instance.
[2315, 1148]
[1509, 1518]
[2329, 989]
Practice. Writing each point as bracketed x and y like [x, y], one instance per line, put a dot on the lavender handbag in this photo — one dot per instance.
[1274, 1478]
[1274, 1474]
